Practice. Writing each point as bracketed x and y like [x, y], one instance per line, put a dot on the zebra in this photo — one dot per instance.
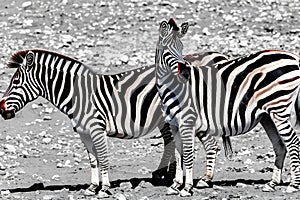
[227, 99]
[124, 105]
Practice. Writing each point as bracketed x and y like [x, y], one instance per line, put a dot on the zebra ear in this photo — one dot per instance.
[29, 59]
[163, 29]
[184, 28]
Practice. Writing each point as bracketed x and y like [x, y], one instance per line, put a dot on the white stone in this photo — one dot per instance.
[124, 58]
[46, 140]
[119, 196]
[55, 177]
[26, 4]
[10, 148]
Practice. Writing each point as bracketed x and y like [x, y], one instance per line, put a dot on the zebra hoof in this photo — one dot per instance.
[292, 189]
[269, 188]
[202, 184]
[172, 191]
[185, 192]
[91, 190]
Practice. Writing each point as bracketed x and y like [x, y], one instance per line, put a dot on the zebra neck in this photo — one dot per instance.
[67, 86]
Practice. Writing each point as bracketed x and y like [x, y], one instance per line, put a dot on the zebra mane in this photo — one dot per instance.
[17, 58]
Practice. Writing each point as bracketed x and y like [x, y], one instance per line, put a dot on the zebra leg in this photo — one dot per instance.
[292, 144]
[211, 148]
[178, 180]
[99, 139]
[165, 169]
[279, 149]
[91, 190]
[187, 134]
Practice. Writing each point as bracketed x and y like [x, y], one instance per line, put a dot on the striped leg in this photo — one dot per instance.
[165, 169]
[178, 180]
[187, 133]
[211, 148]
[292, 143]
[87, 141]
[99, 139]
[279, 149]
[91, 190]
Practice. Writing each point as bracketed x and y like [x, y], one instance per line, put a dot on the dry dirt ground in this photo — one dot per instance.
[41, 157]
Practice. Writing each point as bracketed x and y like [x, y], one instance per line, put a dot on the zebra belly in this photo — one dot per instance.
[134, 119]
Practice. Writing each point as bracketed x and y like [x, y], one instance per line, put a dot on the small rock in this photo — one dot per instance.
[124, 58]
[5, 192]
[2, 153]
[216, 187]
[126, 186]
[55, 177]
[26, 4]
[46, 140]
[25, 153]
[144, 184]
[35, 106]
[49, 197]
[10, 148]
[248, 162]
[48, 110]
[241, 185]
[47, 118]
[119, 196]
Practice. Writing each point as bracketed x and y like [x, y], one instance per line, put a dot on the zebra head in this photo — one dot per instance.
[22, 88]
[169, 45]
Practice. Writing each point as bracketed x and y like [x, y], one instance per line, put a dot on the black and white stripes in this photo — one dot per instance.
[124, 105]
[229, 99]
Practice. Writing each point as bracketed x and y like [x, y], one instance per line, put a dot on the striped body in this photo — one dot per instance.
[229, 99]
[124, 105]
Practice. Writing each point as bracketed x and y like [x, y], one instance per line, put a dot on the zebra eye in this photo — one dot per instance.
[16, 79]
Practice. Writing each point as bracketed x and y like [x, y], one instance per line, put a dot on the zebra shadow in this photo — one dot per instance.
[134, 182]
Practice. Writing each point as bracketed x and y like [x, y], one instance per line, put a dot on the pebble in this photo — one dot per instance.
[26, 4]
[56, 177]
[46, 140]
[241, 185]
[5, 192]
[35, 106]
[119, 196]
[126, 186]
[144, 184]
[47, 118]
[10, 148]
[124, 58]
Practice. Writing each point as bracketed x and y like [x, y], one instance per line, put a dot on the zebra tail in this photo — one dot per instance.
[297, 113]
[227, 147]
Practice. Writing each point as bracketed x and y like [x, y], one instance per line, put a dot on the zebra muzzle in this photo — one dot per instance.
[7, 114]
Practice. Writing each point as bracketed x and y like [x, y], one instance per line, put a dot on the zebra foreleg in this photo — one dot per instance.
[178, 180]
[280, 152]
[211, 148]
[99, 139]
[187, 134]
[292, 144]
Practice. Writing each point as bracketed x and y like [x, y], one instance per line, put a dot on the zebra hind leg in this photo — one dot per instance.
[280, 153]
[292, 144]
[211, 148]
[166, 170]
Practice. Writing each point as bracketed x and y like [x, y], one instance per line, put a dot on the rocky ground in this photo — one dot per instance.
[41, 157]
